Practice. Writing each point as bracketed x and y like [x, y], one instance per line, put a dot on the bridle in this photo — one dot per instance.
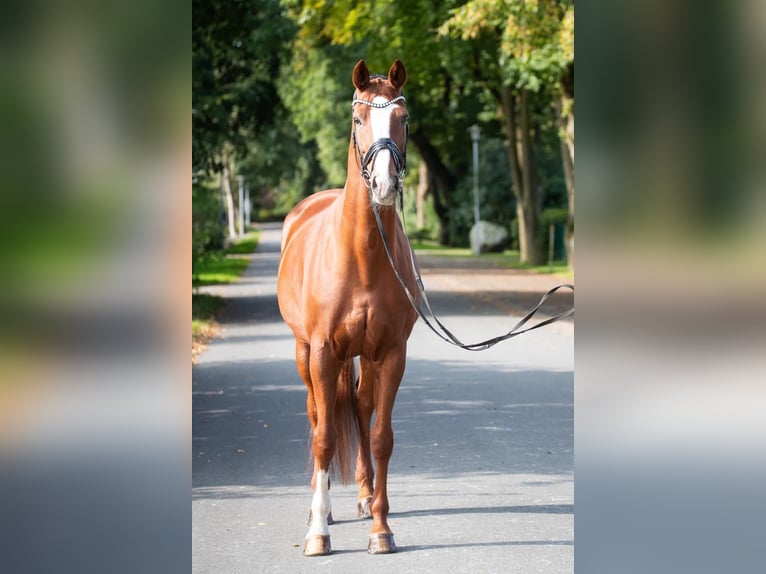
[364, 161]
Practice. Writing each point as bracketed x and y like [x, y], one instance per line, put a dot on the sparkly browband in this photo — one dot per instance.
[374, 105]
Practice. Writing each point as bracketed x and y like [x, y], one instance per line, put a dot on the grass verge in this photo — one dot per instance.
[509, 259]
[219, 270]
[246, 245]
[227, 268]
[204, 327]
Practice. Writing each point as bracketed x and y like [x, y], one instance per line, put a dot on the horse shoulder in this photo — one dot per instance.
[301, 266]
[305, 210]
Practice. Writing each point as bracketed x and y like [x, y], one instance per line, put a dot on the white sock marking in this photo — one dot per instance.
[320, 505]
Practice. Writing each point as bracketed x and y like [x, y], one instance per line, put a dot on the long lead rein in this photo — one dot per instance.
[446, 334]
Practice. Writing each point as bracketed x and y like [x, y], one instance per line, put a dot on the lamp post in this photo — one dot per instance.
[474, 129]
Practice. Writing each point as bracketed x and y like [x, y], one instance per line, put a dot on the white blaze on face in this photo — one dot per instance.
[320, 505]
[380, 121]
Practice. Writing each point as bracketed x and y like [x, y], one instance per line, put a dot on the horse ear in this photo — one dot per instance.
[397, 74]
[361, 76]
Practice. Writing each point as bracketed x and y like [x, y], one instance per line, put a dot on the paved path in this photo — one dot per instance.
[481, 479]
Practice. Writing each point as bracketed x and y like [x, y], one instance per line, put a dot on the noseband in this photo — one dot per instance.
[366, 160]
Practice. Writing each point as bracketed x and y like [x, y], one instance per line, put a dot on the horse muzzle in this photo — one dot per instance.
[383, 167]
[384, 189]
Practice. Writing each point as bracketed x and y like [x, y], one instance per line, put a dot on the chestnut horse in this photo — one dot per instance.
[341, 299]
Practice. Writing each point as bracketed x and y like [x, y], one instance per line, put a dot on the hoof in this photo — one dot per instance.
[381, 544]
[363, 507]
[317, 545]
[330, 519]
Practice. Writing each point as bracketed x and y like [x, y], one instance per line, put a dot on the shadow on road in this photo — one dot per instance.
[527, 509]
[250, 428]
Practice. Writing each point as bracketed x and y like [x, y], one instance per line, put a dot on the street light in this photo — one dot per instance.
[474, 129]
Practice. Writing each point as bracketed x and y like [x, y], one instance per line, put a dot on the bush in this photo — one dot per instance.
[208, 227]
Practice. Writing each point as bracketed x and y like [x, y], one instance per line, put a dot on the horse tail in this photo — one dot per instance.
[346, 426]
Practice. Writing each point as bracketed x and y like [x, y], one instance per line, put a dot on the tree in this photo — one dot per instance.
[333, 36]
[496, 62]
[237, 49]
[530, 43]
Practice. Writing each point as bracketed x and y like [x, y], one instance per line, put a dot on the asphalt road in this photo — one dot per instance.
[482, 475]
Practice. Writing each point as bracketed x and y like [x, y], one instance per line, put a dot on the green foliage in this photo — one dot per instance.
[535, 38]
[237, 49]
[316, 88]
[553, 216]
[272, 83]
[496, 203]
[281, 169]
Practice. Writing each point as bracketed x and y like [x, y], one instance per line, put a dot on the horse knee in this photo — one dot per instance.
[382, 443]
[323, 444]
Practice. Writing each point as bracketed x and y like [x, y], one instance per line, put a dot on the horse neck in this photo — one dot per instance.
[358, 228]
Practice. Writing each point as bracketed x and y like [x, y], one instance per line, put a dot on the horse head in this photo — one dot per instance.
[380, 130]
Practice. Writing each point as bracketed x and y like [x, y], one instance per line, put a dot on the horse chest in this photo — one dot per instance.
[361, 330]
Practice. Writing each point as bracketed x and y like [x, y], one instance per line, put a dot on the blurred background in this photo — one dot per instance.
[271, 112]
[104, 177]
[670, 385]
[95, 209]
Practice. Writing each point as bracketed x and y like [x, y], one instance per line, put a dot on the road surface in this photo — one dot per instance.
[481, 479]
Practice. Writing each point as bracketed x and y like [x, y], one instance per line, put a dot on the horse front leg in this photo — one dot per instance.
[324, 372]
[302, 354]
[389, 376]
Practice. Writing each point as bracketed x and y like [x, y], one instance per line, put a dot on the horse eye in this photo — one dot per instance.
[357, 121]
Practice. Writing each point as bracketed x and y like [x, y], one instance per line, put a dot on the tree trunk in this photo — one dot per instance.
[231, 216]
[420, 198]
[441, 182]
[521, 158]
[565, 111]
[441, 207]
